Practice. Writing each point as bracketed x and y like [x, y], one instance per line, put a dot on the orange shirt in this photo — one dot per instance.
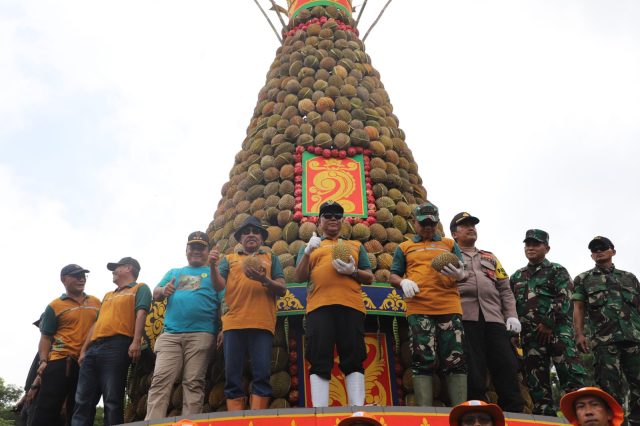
[118, 312]
[247, 303]
[326, 285]
[68, 322]
[438, 293]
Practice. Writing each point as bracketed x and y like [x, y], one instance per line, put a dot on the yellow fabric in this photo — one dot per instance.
[326, 285]
[117, 314]
[438, 293]
[248, 303]
[74, 322]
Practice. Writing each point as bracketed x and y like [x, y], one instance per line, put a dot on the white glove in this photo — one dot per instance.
[314, 243]
[514, 325]
[409, 288]
[343, 267]
[453, 272]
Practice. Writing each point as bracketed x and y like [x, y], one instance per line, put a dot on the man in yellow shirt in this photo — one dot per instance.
[63, 327]
[335, 308]
[112, 343]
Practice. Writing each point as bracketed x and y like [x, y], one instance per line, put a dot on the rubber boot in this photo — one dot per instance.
[355, 388]
[457, 387]
[237, 404]
[319, 391]
[259, 402]
[423, 390]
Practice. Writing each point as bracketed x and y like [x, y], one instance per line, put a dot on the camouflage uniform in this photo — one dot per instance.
[446, 355]
[543, 297]
[612, 303]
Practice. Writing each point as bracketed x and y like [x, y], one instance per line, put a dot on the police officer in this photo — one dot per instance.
[611, 298]
[488, 312]
[542, 291]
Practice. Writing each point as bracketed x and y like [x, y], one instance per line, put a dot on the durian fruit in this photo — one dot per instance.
[442, 260]
[373, 247]
[279, 403]
[341, 251]
[280, 247]
[306, 231]
[382, 275]
[216, 396]
[252, 262]
[280, 384]
[279, 359]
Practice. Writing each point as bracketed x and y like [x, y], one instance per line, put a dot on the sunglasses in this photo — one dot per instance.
[251, 230]
[331, 216]
[429, 223]
[479, 418]
[599, 249]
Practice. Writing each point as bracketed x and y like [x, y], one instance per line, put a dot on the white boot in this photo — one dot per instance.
[319, 391]
[355, 389]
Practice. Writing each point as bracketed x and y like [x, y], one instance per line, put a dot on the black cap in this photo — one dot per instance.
[72, 269]
[461, 218]
[124, 261]
[600, 242]
[251, 221]
[198, 237]
[537, 235]
[331, 206]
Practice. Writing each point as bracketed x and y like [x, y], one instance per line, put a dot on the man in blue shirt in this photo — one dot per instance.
[190, 327]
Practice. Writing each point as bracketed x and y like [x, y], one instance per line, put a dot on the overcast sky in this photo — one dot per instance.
[119, 122]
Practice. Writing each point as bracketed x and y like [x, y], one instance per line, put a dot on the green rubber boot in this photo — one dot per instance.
[423, 390]
[457, 387]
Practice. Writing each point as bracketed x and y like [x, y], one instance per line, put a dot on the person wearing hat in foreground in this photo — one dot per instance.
[252, 279]
[63, 329]
[591, 406]
[474, 412]
[543, 302]
[488, 313]
[335, 308]
[433, 312]
[360, 418]
[611, 299]
[190, 326]
[112, 343]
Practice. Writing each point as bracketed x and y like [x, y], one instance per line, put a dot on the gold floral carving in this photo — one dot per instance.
[288, 302]
[393, 302]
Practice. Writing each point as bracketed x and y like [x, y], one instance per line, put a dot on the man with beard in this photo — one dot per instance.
[335, 309]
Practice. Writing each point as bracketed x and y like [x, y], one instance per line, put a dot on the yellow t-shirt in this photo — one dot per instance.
[326, 285]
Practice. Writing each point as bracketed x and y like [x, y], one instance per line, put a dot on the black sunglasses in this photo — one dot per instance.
[428, 222]
[330, 216]
[251, 230]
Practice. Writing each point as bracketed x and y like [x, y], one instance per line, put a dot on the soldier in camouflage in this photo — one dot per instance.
[542, 291]
[611, 299]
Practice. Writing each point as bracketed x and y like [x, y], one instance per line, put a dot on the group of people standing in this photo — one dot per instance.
[462, 320]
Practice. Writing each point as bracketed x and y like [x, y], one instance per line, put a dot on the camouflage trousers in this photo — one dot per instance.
[436, 344]
[614, 360]
[562, 352]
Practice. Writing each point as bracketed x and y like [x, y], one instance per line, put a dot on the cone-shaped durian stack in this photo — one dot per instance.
[321, 95]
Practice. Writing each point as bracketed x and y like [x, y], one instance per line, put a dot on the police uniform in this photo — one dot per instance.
[543, 294]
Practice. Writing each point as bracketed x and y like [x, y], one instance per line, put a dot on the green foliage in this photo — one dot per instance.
[9, 394]
[99, 420]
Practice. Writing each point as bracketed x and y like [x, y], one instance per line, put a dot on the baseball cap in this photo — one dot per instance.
[462, 217]
[426, 211]
[600, 241]
[360, 417]
[72, 269]
[474, 405]
[198, 237]
[567, 404]
[536, 234]
[331, 206]
[124, 261]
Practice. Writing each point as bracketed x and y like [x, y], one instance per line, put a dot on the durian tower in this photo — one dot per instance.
[323, 128]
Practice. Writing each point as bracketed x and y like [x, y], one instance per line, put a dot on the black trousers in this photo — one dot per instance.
[57, 388]
[335, 326]
[487, 344]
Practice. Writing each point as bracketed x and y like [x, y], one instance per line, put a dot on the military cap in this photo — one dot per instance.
[331, 206]
[538, 235]
[198, 237]
[600, 241]
[426, 211]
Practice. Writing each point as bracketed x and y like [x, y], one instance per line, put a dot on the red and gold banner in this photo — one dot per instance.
[295, 6]
[377, 376]
[338, 179]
